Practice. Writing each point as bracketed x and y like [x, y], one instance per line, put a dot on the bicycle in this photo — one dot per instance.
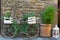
[31, 30]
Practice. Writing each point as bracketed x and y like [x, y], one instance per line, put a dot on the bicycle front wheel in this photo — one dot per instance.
[32, 31]
[9, 31]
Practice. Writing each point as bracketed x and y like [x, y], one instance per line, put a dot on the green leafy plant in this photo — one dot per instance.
[24, 18]
[8, 14]
[29, 14]
[47, 15]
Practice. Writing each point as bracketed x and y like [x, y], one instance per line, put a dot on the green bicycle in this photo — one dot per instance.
[26, 26]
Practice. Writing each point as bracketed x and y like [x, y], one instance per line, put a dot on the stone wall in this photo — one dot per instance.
[17, 7]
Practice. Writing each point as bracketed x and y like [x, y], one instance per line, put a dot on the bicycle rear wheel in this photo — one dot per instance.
[32, 31]
[9, 31]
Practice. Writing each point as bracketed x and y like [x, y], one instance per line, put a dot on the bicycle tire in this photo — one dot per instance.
[5, 29]
[36, 29]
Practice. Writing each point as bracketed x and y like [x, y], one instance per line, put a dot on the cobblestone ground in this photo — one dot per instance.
[1, 38]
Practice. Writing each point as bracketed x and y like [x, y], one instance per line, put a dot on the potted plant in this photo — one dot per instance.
[47, 18]
[7, 18]
[30, 17]
[30, 24]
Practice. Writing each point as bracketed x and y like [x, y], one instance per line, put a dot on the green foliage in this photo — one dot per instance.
[8, 14]
[16, 26]
[47, 15]
[29, 14]
[24, 27]
[25, 17]
[19, 28]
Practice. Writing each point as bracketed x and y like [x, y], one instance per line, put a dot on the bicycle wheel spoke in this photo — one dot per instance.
[9, 32]
[32, 31]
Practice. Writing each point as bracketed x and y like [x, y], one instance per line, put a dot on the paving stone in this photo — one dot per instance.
[1, 38]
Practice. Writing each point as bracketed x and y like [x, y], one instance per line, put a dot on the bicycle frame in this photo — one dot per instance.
[24, 27]
[20, 28]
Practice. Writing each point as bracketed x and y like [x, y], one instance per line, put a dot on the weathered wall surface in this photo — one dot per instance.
[17, 7]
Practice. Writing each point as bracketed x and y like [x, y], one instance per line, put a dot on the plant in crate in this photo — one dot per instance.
[11, 30]
[47, 18]
[7, 18]
[30, 19]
